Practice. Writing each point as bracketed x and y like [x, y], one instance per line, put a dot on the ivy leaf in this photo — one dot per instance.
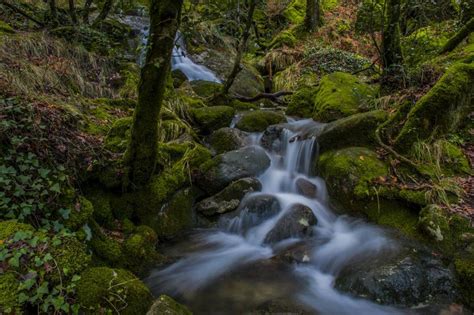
[56, 188]
[64, 213]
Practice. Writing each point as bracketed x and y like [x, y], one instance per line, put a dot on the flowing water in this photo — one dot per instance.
[232, 270]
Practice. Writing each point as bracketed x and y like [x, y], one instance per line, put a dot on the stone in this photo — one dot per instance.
[306, 188]
[259, 120]
[227, 139]
[209, 119]
[298, 222]
[165, 305]
[229, 198]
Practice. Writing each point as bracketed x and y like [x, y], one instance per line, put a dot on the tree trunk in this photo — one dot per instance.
[72, 12]
[54, 12]
[86, 11]
[241, 49]
[392, 57]
[165, 17]
[313, 15]
[454, 41]
[105, 11]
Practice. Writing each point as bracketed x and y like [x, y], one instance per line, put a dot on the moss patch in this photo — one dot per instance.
[302, 103]
[209, 119]
[165, 305]
[258, 121]
[9, 293]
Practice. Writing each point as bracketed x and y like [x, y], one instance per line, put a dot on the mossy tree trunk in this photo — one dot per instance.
[86, 11]
[72, 12]
[313, 15]
[454, 41]
[241, 49]
[165, 17]
[392, 57]
[54, 12]
[105, 11]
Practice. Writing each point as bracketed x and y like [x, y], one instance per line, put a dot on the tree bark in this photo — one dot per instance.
[454, 41]
[54, 12]
[392, 57]
[105, 11]
[72, 12]
[165, 18]
[313, 15]
[86, 11]
[241, 49]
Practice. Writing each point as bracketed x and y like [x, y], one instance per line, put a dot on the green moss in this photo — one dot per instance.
[341, 95]
[433, 221]
[118, 137]
[454, 161]
[205, 88]
[465, 270]
[9, 228]
[130, 74]
[239, 105]
[139, 250]
[226, 139]
[209, 119]
[6, 28]
[295, 12]
[165, 305]
[100, 288]
[302, 103]
[102, 209]
[71, 257]
[285, 38]
[441, 110]
[104, 246]
[257, 121]
[9, 294]
[80, 214]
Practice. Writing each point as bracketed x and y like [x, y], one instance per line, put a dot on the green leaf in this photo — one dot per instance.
[56, 188]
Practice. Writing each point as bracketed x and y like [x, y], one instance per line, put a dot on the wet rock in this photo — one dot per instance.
[229, 198]
[306, 188]
[165, 305]
[416, 276]
[228, 167]
[297, 222]
[178, 77]
[259, 120]
[227, 139]
[271, 138]
[300, 252]
[205, 88]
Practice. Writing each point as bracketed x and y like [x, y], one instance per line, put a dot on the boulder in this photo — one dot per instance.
[227, 139]
[413, 277]
[340, 95]
[355, 130]
[229, 198]
[228, 167]
[302, 103]
[259, 120]
[205, 88]
[306, 188]
[178, 77]
[298, 222]
[271, 138]
[165, 305]
[209, 119]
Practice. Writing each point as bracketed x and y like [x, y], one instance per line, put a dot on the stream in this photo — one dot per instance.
[234, 268]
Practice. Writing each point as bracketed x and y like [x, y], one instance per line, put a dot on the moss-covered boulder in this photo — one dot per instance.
[165, 305]
[71, 257]
[355, 130]
[442, 109]
[9, 294]
[434, 222]
[139, 250]
[178, 77]
[80, 214]
[209, 119]
[10, 227]
[205, 88]
[340, 95]
[118, 136]
[349, 174]
[259, 120]
[229, 198]
[302, 103]
[465, 270]
[227, 139]
[101, 290]
[102, 210]
[228, 167]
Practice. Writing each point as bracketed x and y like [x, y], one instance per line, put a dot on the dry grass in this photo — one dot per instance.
[35, 64]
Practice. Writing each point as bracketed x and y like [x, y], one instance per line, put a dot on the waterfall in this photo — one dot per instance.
[239, 241]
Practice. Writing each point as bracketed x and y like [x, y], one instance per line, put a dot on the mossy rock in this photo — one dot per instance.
[99, 287]
[465, 270]
[441, 110]
[285, 38]
[227, 139]
[205, 88]
[355, 130]
[9, 294]
[454, 160]
[178, 77]
[174, 217]
[71, 257]
[102, 210]
[302, 103]
[9, 228]
[242, 106]
[259, 120]
[340, 95]
[118, 137]
[6, 28]
[165, 305]
[105, 247]
[433, 221]
[139, 250]
[80, 213]
[209, 119]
